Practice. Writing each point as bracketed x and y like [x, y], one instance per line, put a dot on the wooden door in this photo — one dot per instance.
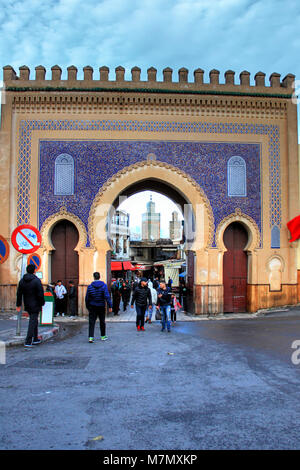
[64, 260]
[235, 268]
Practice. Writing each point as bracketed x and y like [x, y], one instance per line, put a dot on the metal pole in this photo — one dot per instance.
[23, 269]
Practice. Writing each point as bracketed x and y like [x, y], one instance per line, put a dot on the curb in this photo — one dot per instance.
[44, 336]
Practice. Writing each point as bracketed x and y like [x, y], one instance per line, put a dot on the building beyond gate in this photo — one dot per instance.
[225, 152]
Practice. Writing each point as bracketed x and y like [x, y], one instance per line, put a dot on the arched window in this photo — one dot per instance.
[64, 175]
[236, 177]
[275, 237]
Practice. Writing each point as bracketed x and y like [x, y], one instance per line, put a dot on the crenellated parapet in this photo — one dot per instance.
[214, 84]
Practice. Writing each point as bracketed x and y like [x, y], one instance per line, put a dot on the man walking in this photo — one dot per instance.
[96, 296]
[164, 299]
[141, 296]
[31, 290]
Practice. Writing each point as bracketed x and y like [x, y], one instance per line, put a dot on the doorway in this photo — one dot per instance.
[235, 268]
[64, 259]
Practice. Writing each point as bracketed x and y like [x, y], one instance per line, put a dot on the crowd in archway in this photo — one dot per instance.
[151, 297]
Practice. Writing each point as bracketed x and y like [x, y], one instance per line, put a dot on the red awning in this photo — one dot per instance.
[116, 266]
[127, 265]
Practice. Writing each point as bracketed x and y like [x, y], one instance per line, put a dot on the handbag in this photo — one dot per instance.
[157, 315]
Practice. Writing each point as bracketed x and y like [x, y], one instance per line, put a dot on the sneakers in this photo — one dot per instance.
[36, 341]
[28, 345]
[142, 328]
[139, 328]
[103, 338]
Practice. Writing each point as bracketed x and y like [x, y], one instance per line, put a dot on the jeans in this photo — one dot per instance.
[140, 314]
[173, 314]
[94, 313]
[32, 332]
[149, 311]
[166, 316]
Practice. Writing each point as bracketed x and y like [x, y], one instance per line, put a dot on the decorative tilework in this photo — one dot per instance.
[236, 177]
[106, 158]
[64, 175]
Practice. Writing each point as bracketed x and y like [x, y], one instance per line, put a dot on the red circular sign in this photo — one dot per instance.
[34, 259]
[26, 239]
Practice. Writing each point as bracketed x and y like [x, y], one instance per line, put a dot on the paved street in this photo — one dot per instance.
[227, 384]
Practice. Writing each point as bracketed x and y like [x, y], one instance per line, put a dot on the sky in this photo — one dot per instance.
[240, 35]
[136, 206]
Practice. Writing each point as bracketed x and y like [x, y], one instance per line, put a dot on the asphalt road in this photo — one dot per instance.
[227, 384]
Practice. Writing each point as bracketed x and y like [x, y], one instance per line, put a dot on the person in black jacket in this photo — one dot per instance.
[125, 293]
[30, 289]
[96, 296]
[72, 299]
[141, 296]
[164, 300]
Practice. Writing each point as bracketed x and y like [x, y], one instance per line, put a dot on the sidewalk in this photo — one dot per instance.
[8, 328]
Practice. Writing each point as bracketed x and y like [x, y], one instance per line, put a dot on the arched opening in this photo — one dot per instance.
[182, 189]
[64, 258]
[157, 253]
[235, 263]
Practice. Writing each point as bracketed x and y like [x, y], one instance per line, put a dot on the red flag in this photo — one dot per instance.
[294, 228]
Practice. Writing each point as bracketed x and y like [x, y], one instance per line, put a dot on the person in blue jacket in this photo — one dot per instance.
[96, 297]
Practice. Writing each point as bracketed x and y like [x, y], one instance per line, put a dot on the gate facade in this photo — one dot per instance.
[229, 150]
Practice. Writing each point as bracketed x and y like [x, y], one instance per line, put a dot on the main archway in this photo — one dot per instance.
[168, 180]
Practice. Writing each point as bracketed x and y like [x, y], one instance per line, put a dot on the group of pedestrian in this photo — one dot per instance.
[154, 298]
[149, 297]
[162, 299]
[65, 301]
[120, 290]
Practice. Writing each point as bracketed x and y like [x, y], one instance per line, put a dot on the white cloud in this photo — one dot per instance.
[222, 34]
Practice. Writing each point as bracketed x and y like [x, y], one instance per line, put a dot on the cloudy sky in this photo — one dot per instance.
[240, 35]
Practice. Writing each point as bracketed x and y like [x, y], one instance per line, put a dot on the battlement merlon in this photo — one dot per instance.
[23, 82]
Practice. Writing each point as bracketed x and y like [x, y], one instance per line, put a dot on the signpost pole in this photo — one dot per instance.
[25, 239]
[23, 269]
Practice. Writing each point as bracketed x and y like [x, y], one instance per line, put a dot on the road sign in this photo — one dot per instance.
[4, 249]
[35, 259]
[26, 239]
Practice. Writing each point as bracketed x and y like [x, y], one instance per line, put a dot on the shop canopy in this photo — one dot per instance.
[120, 266]
[116, 266]
[128, 266]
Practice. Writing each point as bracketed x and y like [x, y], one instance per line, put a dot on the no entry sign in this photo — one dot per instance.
[4, 249]
[26, 239]
[35, 259]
